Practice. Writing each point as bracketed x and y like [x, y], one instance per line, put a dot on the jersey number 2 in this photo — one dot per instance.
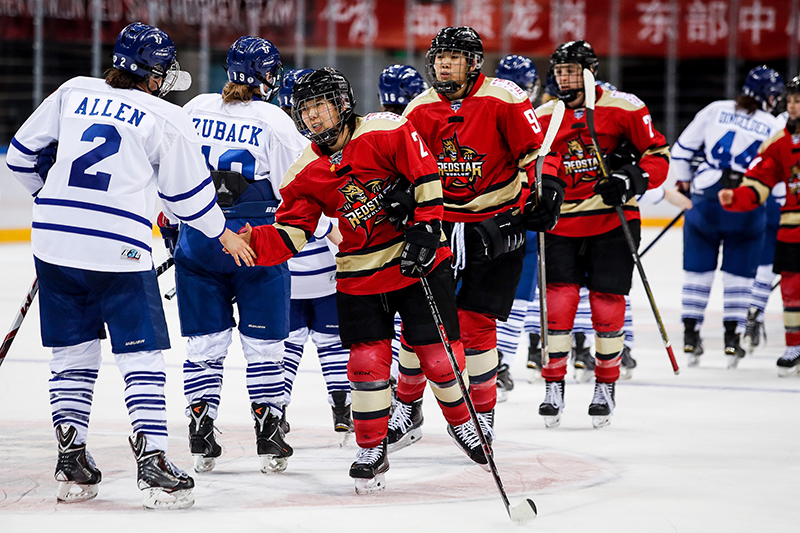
[78, 177]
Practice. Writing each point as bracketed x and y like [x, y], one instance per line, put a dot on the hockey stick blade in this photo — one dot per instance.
[522, 513]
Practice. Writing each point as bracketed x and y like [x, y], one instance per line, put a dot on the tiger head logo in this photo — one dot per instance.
[459, 166]
[361, 206]
[353, 195]
[575, 147]
[794, 180]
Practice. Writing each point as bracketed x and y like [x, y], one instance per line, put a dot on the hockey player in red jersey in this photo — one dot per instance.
[481, 131]
[778, 161]
[349, 172]
[588, 246]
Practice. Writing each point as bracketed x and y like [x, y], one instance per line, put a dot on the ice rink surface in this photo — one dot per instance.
[710, 450]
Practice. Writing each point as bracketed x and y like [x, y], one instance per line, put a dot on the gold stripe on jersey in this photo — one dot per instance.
[792, 218]
[376, 124]
[489, 200]
[571, 208]
[427, 97]
[606, 100]
[771, 140]
[427, 189]
[546, 108]
[499, 92]
[294, 237]
[761, 190]
[528, 158]
[366, 263]
[659, 151]
[306, 157]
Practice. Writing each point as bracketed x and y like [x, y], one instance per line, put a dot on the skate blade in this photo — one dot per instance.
[408, 439]
[583, 376]
[694, 360]
[71, 492]
[368, 486]
[522, 513]
[784, 372]
[157, 499]
[601, 421]
[271, 464]
[203, 464]
[732, 361]
[534, 375]
[552, 421]
[344, 438]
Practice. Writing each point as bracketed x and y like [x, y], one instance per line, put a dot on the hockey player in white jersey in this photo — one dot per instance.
[118, 147]
[729, 132]
[249, 144]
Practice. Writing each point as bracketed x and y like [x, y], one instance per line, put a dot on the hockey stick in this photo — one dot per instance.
[525, 511]
[663, 231]
[552, 130]
[590, 95]
[28, 301]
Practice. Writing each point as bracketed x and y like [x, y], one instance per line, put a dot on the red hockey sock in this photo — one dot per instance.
[436, 365]
[371, 395]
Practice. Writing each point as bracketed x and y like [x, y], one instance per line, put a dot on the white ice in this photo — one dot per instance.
[710, 450]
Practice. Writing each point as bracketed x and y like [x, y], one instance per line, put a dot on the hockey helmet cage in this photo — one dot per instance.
[146, 51]
[578, 52]
[522, 71]
[255, 62]
[764, 85]
[324, 84]
[290, 77]
[461, 39]
[399, 84]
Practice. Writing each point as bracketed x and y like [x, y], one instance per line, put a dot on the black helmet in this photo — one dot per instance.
[461, 39]
[578, 52]
[327, 84]
[793, 87]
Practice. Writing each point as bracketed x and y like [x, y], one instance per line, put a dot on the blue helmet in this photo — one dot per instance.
[399, 84]
[605, 85]
[255, 62]
[145, 50]
[287, 85]
[521, 71]
[550, 85]
[764, 85]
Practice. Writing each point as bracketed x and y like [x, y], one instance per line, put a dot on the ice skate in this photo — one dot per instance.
[369, 469]
[202, 442]
[468, 441]
[602, 406]
[272, 449]
[583, 360]
[76, 471]
[405, 425]
[692, 342]
[553, 404]
[627, 364]
[753, 330]
[486, 420]
[285, 423]
[534, 359]
[733, 351]
[789, 362]
[165, 486]
[505, 383]
[342, 417]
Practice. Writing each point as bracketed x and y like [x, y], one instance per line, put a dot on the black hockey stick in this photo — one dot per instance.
[590, 95]
[525, 511]
[28, 301]
[663, 231]
[552, 130]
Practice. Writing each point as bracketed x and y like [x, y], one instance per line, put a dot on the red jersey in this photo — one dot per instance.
[480, 144]
[383, 147]
[778, 161]
[617, 116]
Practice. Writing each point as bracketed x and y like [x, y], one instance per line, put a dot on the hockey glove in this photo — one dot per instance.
[622, 185]
[45, 159]
[502, 233]
[398, 201]
[169, 232]
[419, 253]
[543, 215]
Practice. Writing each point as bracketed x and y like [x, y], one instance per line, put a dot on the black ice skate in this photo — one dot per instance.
[342, 417]
[789, 362]
[486, 420]
[534, 358]
[583, 360]
[272, 449]
[76, 472]
[553, 404]
[602, 406]
[285, 423]
[627, 364]
[369, 468]
[405, 425]
[733, 351]
[505, 383]
[468, 441]
[165, 486]
[202, 442]
[692, 342]
[753, 330]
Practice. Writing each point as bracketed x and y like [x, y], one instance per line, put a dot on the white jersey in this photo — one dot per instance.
[728, 137]
[254, 138]
[117, 149]
[314, 267]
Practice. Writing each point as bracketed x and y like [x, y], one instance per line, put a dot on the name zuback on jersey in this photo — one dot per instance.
[224, 131]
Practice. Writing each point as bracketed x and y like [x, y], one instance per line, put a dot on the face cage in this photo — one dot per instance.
[174, 79]
[270, 88]
[474, 65]
[569, 95]
[329, 136]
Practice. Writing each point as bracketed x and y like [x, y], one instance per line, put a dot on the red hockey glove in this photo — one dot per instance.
[543, 215]
[502, 233]
[169, 232]
[419, 253]
[622, 185]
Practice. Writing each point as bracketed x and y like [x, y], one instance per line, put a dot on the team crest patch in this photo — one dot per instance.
[459, 166]
[580, 160]
[794, 180]
[130, 254]
[579, 113]
[361, 207]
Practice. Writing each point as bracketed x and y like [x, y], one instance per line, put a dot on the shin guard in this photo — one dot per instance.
[436, 366]
[371, 395]
[608, 318]
[790, 291]
[411, 380]
[562, 304]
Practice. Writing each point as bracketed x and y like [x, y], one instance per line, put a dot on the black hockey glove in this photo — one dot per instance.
[622, 185]
[45, 159]
[398, 201]
[419, 253]
[543, 215]
[169, 232]
[502, 233]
